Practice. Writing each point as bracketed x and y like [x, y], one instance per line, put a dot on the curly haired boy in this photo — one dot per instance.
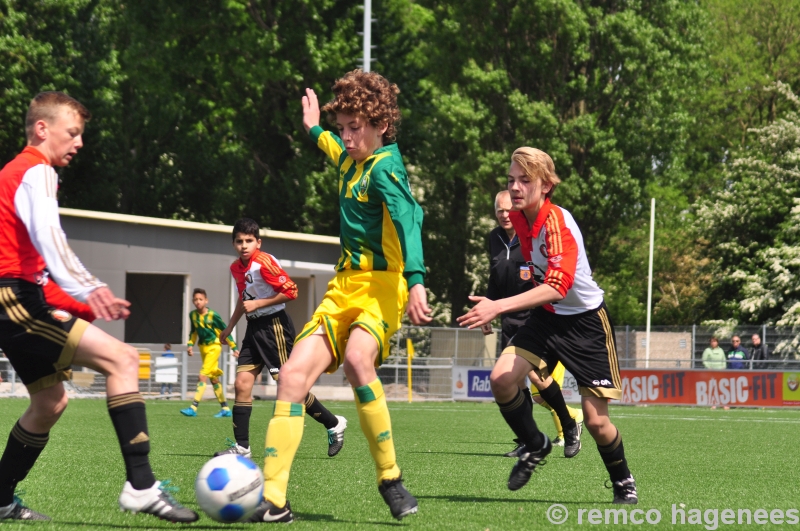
[379, 275]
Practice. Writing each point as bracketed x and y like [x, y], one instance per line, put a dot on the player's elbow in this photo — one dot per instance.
[559, 287]
[291, 294]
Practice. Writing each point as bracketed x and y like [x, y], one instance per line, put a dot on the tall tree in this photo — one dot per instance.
[63, 46]
[209, 116]
[599, 86]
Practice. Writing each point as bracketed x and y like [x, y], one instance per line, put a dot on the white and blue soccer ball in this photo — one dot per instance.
[229, 488]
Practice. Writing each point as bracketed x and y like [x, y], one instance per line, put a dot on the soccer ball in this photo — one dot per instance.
[229, 488]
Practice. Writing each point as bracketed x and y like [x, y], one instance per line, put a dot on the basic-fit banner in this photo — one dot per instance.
[710, 388]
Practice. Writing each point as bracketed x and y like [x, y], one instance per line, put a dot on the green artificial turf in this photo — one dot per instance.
[450, 457]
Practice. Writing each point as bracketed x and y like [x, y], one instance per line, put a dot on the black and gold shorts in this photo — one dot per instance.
[38, 340]
[267, 343]
[584, 343]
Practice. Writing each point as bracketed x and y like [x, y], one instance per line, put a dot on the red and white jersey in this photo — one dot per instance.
[31, 237]
[262, 278]
[554, 250]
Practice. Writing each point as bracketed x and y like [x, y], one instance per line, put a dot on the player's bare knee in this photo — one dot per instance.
[292, 378]
[59, 406]
[242, 385]
[48, 405]
[128, 359]
[357, 359]
[597, 424]
[120, 360]
[502, 381]
[540, 385]
[351, 374]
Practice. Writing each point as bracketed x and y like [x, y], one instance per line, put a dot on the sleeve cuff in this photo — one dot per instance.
[315, 133]
[415, 278]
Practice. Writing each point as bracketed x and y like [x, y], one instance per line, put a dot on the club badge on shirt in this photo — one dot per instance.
[524, 272]
[61, 315]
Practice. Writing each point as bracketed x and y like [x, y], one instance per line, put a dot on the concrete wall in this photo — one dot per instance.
[113, 245]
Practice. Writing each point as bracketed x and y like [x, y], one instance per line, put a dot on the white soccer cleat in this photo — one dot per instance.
[154, 501]
[336, 436]
[235, 449]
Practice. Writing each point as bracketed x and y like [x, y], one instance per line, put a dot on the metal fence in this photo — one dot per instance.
[159, 377]
[436, 352]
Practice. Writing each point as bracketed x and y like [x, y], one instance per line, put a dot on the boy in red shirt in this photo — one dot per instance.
[264, 289]
[43, 342]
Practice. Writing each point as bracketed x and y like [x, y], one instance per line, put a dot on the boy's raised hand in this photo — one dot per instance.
[310, 110]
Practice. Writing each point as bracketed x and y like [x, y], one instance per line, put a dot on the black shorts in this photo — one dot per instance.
[268, 342]
[37, 339]
[509, 326]
[584, 343]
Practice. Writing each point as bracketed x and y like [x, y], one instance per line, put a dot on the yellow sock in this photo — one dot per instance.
[377, 427]
[284, 433]
[576, 414]
[556, 421]
[198, 395]
[218, 391]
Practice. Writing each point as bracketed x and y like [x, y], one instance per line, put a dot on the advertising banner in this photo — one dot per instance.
[473, 384]
[665, 386]
[710, 388]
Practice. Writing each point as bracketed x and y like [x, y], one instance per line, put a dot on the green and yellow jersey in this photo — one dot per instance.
[206, 328]
[381, 223]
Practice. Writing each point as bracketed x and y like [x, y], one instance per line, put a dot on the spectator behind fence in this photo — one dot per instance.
[737, 355]
[714, 356]
[759, 353]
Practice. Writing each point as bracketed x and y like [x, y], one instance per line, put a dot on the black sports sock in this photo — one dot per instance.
[519, 416]
[552, 395]
[320, 413]
[130, 422]
[614, 458]
[528, 397]
[21, 452]
[241, 422]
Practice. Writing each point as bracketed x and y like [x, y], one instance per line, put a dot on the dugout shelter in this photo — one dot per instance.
[156, 263]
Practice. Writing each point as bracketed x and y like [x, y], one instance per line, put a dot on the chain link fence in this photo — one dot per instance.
[436, 352]
[160, 377]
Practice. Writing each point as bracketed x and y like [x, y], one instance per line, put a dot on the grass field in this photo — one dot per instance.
[450, 455]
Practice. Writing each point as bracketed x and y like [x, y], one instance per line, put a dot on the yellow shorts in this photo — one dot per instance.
[210, 355]
[558, 376]
[373, 300]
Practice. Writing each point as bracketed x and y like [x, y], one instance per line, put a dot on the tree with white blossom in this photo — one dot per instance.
[751, 228]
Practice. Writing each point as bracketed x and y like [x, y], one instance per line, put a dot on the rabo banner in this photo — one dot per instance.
[710, 388]
[473, 384]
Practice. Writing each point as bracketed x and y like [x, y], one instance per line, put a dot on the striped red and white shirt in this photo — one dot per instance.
[31, 237]
[262, 278]
[553, 248]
